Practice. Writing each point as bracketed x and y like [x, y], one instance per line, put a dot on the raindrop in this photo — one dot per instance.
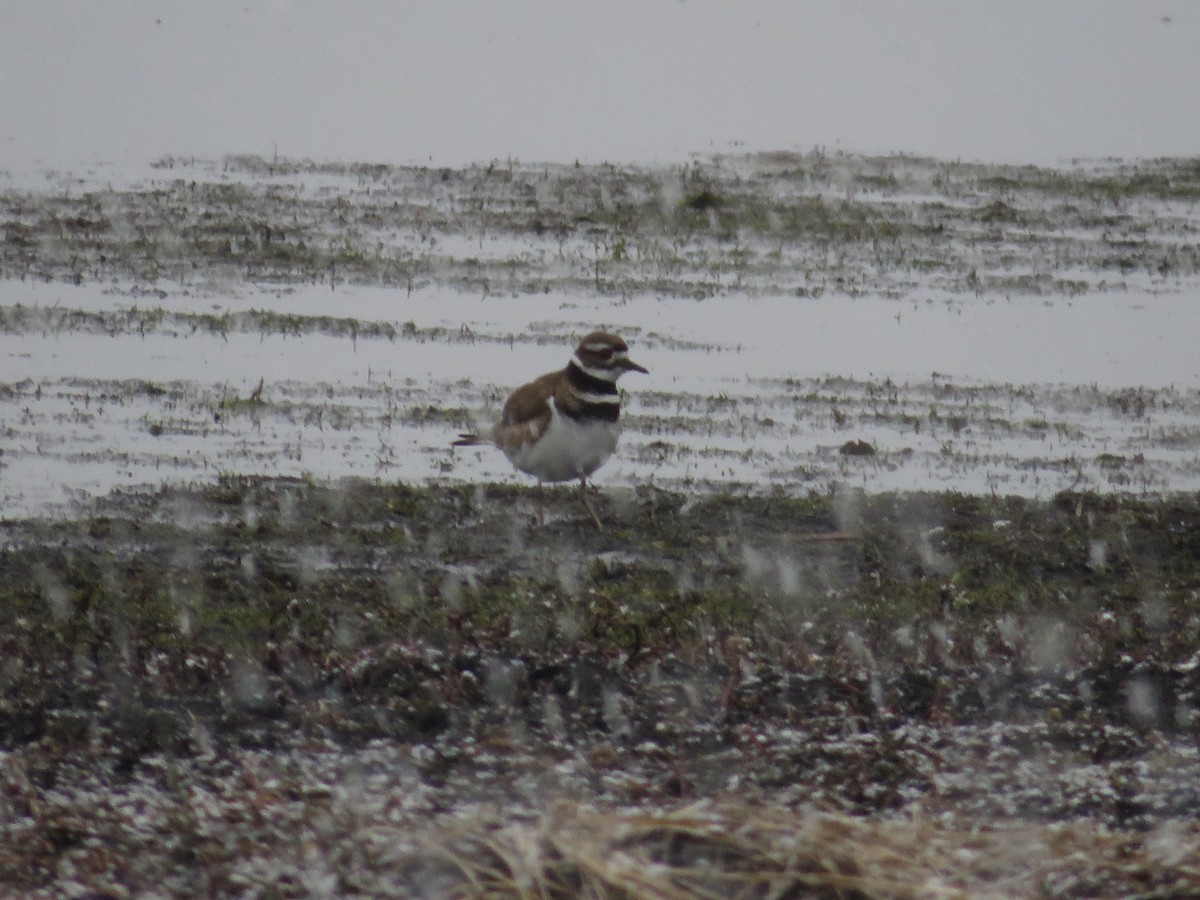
[452, 591]
[755, 565]
[347, 634]
[1142, 699]
[685, 581]
[931, 559]
[568, 578]
[614, 713]
[185, 622]
[500, 682]
[1185, 716]
[1009, 629]
[875, 689]
[56, 593]
[289, 509]
[186, 599]
[858, 650]
[1050, 646]
[552, 718]
[847, 508]
[310, 562]
[789, 577]
[185, 558]
[1156, 614]
[403, 590]
[568, 624]
[249, 682]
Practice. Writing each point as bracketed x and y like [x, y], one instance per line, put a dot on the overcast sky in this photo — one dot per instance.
[642, 80]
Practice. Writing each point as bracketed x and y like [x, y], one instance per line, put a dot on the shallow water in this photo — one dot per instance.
[982, 328]
[1013, 395]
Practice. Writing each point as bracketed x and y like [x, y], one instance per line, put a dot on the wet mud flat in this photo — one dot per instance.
[981, 328]
[289, 686]
[767, 223]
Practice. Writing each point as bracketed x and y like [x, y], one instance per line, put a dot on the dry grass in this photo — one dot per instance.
[735, 850]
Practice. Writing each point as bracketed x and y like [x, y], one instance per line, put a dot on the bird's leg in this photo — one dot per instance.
[583, 498]
[541, 504]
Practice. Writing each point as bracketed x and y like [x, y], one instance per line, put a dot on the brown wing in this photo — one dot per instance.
[526, 413]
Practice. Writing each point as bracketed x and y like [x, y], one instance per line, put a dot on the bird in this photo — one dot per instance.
[564, 425]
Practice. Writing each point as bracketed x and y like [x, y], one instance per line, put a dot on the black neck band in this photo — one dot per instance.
[594, 412]
[589, 384]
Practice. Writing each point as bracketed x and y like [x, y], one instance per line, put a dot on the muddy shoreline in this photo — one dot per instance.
[985, 659]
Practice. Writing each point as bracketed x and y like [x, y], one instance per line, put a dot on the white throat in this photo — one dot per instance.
[602, 374]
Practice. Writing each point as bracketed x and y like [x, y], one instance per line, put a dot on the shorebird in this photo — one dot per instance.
[564, 425]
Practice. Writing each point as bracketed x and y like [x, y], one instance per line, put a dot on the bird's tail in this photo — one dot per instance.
[470, 440]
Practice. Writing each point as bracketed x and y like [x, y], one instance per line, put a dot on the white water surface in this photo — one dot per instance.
[1110, 340]
[1012, 395]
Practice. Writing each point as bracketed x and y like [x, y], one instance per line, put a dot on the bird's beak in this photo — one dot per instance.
[630, 366]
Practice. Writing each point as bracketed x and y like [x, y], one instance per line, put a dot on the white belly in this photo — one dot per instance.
[568, 450]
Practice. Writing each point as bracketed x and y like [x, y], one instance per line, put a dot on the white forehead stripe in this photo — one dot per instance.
[598, 347]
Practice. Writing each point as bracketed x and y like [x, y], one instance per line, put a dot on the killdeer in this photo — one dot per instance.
[563, 425]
